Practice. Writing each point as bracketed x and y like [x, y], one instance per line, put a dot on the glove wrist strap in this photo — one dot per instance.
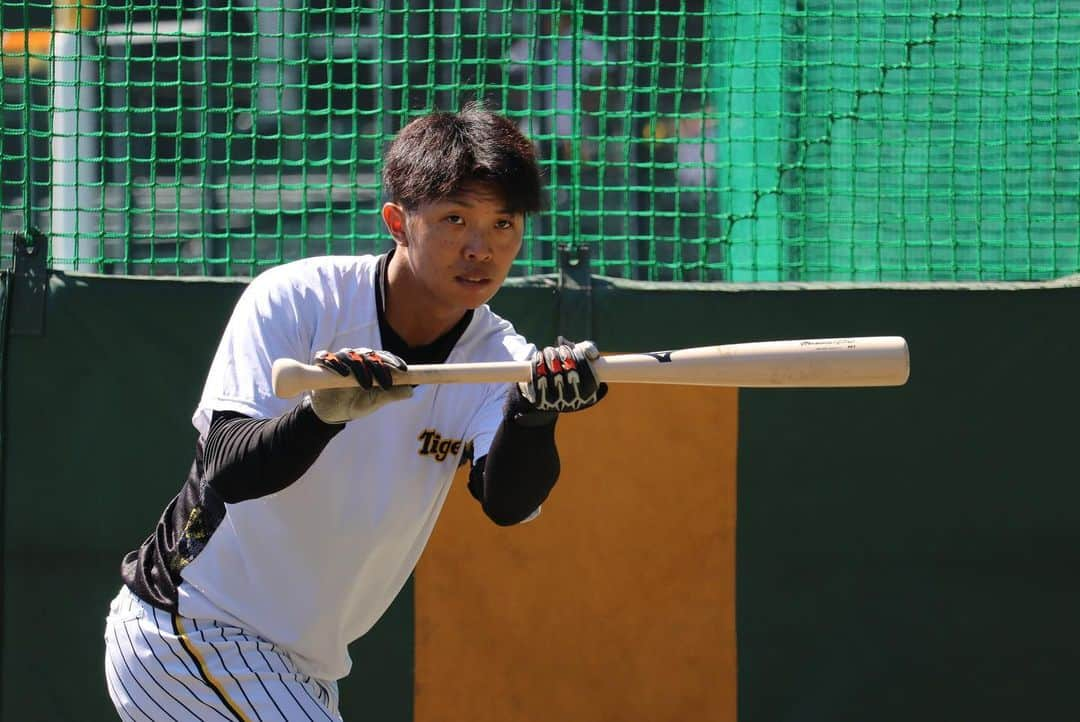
[523, 413]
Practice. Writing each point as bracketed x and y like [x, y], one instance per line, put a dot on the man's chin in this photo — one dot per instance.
[475, 303]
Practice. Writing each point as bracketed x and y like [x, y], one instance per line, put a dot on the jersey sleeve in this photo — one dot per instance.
[486, 420]
[265, 324]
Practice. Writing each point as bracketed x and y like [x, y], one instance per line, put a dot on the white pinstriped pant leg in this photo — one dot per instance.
[160, 667]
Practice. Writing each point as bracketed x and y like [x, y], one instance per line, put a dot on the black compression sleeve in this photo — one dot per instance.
[518, 472]
[249, 458]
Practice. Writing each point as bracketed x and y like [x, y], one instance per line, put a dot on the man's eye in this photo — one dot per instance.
[504, 224]
[455, 219]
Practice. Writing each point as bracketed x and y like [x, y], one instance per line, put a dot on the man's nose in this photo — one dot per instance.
[477, 247]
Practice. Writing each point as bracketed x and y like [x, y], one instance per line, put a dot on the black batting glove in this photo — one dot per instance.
[370, 368]
[563, 379]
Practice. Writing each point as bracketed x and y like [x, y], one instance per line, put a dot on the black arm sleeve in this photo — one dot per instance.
[518, 472]
[248, 458]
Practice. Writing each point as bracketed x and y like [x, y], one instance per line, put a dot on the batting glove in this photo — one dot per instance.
[563, 378]
[372, 371]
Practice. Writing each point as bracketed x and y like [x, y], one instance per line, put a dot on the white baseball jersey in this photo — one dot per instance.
[312, 567]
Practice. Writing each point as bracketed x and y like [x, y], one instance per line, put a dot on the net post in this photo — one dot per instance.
[575, 292]
[29, 281]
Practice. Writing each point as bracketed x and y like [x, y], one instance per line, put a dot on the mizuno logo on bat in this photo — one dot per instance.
[663, 357]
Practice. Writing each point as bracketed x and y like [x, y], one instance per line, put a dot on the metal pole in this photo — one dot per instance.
[76, 218]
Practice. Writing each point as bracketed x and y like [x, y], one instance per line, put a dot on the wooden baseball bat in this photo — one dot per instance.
[807, 363]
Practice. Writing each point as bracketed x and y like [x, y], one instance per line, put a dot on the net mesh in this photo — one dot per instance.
[739, 140]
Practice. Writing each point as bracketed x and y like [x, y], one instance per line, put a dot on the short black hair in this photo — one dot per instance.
[442, 154]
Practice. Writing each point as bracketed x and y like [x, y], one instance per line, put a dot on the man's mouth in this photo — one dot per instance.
[474, 280]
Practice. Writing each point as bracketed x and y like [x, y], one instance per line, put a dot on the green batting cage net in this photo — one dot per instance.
[734, 140]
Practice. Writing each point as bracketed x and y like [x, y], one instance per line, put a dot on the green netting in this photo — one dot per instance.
[682, 139]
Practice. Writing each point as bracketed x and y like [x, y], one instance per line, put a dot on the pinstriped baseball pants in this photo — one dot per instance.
[161, 666]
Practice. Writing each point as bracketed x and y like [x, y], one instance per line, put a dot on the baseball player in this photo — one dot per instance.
[299, 522]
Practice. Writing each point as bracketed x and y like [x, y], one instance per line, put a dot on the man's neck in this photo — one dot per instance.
[410, 310]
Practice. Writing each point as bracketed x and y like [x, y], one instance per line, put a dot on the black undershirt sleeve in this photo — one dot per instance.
[518, 472]
[249, 458]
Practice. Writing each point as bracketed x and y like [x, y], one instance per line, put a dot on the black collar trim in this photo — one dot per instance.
[435, 352]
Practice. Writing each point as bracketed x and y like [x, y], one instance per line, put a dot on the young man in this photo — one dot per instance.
[299, 523]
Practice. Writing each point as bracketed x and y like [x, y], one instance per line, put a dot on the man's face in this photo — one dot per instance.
[460, 248]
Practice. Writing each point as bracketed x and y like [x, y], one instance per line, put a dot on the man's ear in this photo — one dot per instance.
[393, 216]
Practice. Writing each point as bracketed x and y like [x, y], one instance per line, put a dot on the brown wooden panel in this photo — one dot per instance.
[618, 602]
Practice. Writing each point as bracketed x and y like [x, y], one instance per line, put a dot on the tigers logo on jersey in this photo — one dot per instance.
[432, 444]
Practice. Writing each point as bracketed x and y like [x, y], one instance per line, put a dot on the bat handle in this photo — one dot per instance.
[291, 378]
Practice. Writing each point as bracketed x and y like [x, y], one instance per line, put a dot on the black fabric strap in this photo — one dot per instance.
[435, 352]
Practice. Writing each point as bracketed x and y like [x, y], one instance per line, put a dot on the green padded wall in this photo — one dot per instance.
[901, 553]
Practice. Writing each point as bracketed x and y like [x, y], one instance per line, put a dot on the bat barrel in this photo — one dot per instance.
[831, 363]
[808, 363]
